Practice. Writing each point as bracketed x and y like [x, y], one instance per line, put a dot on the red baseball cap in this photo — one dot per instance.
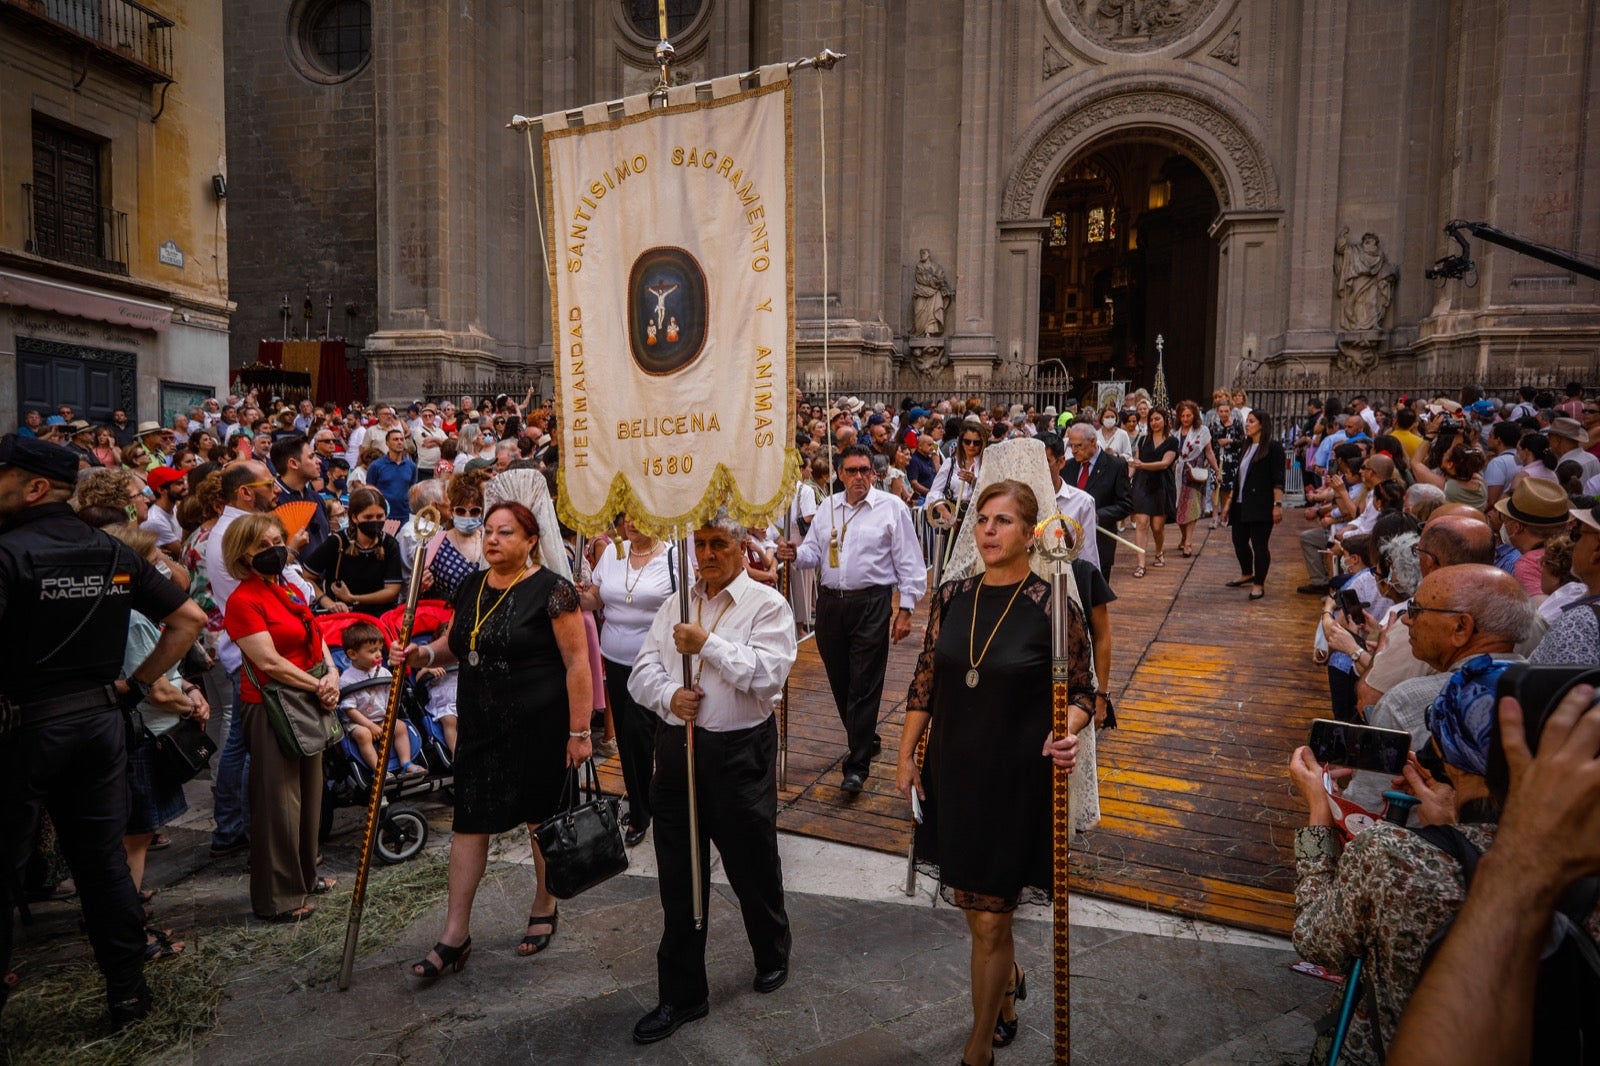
[161, 477]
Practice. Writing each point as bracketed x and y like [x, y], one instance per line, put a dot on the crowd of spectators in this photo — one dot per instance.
[1456, 544]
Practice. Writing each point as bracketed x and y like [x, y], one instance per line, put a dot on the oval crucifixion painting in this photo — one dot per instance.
[667, 310]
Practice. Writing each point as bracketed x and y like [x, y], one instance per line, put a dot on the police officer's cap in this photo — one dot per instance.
[39, 457]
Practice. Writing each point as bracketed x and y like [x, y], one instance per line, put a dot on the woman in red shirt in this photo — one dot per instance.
[269, 620]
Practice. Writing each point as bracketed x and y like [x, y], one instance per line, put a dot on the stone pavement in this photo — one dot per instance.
[876, 978]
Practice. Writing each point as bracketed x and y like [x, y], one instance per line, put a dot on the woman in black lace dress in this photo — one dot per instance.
[524, 700]
[983, 683]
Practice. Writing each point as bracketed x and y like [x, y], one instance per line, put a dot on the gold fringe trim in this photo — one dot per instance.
[721, 491]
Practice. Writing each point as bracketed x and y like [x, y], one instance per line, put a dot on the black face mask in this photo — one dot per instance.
[269, 562]
[371, 530]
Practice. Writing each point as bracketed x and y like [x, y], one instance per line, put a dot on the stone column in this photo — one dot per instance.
[973, 346]
[1017, 288]
[1248, 293]
[428, 191]
[1314, 190]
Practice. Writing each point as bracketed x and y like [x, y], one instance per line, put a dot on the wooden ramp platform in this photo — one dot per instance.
[1212, 694]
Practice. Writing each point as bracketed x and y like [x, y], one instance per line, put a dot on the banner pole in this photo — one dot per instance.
[783, 701]
[684, 543]
[427, 524]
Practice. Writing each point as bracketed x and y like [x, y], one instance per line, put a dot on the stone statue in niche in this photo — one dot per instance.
[930, 297]
[1365, 284]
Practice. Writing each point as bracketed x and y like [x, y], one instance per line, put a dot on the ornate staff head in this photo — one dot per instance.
[426, 522]
[1059, 538]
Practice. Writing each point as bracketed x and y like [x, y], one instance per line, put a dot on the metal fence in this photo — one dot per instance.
[1041, 390]
[1285, 394]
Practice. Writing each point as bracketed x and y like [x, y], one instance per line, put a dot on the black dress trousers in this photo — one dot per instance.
[76, 768]
[736, 779]
[853, 642]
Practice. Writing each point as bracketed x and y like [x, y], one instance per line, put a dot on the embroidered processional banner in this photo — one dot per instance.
[671, 257]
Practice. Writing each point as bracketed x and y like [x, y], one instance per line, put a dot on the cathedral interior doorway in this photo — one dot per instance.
[1128, 257]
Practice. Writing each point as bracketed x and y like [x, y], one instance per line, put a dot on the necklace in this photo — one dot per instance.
[478, 617]
[701, 663]
[972, 635]
[638, 572]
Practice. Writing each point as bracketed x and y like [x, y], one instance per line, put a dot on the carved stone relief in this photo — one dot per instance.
[1245, 158]
[1228, 50]
[1136, 25]
[1054, 61]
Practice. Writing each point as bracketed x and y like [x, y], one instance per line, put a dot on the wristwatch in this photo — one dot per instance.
[136, 694]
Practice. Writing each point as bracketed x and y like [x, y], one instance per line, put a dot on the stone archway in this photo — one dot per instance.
[1194, 120]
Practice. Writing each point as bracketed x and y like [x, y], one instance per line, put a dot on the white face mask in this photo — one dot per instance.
[1108, 422]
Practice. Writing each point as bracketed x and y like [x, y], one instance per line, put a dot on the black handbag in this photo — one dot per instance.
[181, 752]
[582, 845]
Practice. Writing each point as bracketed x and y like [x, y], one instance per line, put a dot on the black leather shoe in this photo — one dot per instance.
[770, 981]
[853, 784]
[633, 835]
[666, 1020]
[124, 1012]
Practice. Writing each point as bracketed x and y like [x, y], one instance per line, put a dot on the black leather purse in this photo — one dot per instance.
[182, 752]
[582, 845]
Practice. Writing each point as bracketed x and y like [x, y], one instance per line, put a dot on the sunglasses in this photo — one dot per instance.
[971, 441]
[856, 471]
[467, 512]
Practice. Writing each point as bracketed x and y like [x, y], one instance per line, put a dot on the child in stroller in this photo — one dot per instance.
[363, 710]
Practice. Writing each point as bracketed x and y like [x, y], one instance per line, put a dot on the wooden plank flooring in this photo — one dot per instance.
[1212, 694]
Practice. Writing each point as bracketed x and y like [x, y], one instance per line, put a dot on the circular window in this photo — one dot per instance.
[334, 38]
[644, 16]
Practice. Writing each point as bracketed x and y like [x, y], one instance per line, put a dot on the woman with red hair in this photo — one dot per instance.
[523, 700]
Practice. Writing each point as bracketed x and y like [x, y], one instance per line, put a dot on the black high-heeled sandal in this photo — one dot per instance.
[1004, 1031]
[453, 959]
[542, 941]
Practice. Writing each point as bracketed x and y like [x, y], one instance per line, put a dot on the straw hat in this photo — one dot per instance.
[1536, 502]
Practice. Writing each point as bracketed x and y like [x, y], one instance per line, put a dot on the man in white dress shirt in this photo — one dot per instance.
[865, 546]
[742, 645]
[1072, 501]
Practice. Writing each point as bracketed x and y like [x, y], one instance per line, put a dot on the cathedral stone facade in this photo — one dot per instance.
[1010, 183]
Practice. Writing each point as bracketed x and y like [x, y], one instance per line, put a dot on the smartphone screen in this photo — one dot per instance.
[1359, 747]
[1350, 602]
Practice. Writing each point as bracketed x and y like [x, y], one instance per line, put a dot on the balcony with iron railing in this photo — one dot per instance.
[121, 33]
[85, 236]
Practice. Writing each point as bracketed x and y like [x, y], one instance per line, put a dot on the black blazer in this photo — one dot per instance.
[1108, 484]
[1253, 500]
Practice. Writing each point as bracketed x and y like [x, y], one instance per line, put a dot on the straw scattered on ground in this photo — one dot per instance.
[59, 1012]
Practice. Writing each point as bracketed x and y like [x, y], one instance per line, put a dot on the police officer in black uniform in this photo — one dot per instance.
[65, 594]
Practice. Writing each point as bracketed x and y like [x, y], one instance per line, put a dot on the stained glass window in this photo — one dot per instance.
[1058, 230]
[1097, 225]
[1111, 225]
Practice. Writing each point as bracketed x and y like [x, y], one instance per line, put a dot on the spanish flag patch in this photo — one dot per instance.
[121, 579]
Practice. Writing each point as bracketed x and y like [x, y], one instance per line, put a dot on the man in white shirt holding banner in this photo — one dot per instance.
[863, 542]
[742, 643]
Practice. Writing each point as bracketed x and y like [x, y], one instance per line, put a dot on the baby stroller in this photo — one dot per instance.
[402, 829]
